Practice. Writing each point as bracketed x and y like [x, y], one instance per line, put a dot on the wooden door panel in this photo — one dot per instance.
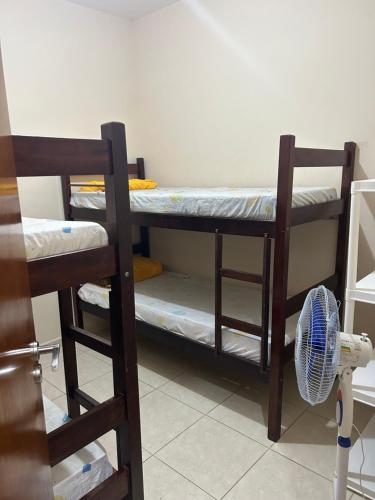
[24, 462]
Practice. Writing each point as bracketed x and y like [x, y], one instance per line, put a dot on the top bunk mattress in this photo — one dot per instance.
[46, 237]
[222, 202]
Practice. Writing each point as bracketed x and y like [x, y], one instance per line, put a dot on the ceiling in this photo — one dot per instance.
[130, 9]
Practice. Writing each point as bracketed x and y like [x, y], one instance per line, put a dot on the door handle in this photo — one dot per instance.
[35, 350]
[53, 349]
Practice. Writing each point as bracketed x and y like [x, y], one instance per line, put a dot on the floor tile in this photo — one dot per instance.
[145, 455]
[199, 390]
[61, 403]
[211, 455]
[311, 441]
[101, 388]
[162, 419]
[163, 483]
[155, 369]
[108, 441]
[50, 391]
[274, 476]
[247, 412]
[89, 368]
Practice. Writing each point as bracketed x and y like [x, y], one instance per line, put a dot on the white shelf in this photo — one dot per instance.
[355, 461]
[364, 384]
[364, 290]
[367, 186]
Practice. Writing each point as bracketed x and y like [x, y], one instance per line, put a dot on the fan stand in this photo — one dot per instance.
[344, 415]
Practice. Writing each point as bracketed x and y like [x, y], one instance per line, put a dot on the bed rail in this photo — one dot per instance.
[50, 274]
[49, 156]
[309, 157]
[83, 430]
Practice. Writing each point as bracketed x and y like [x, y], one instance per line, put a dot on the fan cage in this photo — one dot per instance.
[316, 348]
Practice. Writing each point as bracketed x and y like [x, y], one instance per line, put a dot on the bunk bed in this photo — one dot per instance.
[267, 214]
[61, 256]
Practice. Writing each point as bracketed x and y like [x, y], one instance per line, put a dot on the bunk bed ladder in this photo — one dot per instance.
[259, 279]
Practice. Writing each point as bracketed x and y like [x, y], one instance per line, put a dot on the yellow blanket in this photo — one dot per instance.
[133, 184]
[144, 268]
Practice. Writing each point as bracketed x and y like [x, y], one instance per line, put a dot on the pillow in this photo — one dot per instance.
[144, 268]
[95, 186]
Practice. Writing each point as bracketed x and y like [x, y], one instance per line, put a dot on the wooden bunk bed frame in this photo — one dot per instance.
[42, 156]
[290, 157]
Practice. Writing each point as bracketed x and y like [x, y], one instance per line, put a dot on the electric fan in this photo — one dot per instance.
[321, 353]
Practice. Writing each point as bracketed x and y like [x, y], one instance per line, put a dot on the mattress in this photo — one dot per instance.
[185, 306]
[45, 237]
[81, 472]
[237, 203]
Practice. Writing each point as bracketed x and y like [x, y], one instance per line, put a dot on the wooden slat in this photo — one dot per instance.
[133, 169]
[89, 214]
[267, 247]
[204, 224]
[138, 248]
[93, 309]
[90, 340]
[295, 303]
[242, 276]
[115, 487]
[280, 282]
[218, 291]
[58, 272]
[79, 432]
[85, 400]
[308, 157]
[48, 156]
[242, 326]
[199, 351]
[302, 215]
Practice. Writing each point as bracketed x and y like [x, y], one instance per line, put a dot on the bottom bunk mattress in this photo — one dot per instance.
[75, 476]
[185, 305]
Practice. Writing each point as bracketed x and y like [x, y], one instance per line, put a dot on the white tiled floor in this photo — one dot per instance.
[205, 436]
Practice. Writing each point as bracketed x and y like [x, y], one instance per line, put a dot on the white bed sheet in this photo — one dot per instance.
[81, 472]
[45, 237]
[237, 203]
[185, 305]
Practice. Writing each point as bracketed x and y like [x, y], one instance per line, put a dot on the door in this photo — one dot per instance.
[24, 464]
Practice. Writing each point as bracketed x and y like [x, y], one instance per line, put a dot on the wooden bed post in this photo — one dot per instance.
[280, 282]
[66, 195]
[343, 228]
[69, 351]
[144, 231]
[122, 309]
[267, 245]
[218, 291]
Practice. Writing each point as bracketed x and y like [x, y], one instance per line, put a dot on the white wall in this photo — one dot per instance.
[67, 70]
[219, 82]
[206, 87]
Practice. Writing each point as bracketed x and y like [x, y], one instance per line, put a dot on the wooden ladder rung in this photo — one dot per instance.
[242, 276]
[82, 430]
[242, 326]
[84, 337]
[85, 399]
